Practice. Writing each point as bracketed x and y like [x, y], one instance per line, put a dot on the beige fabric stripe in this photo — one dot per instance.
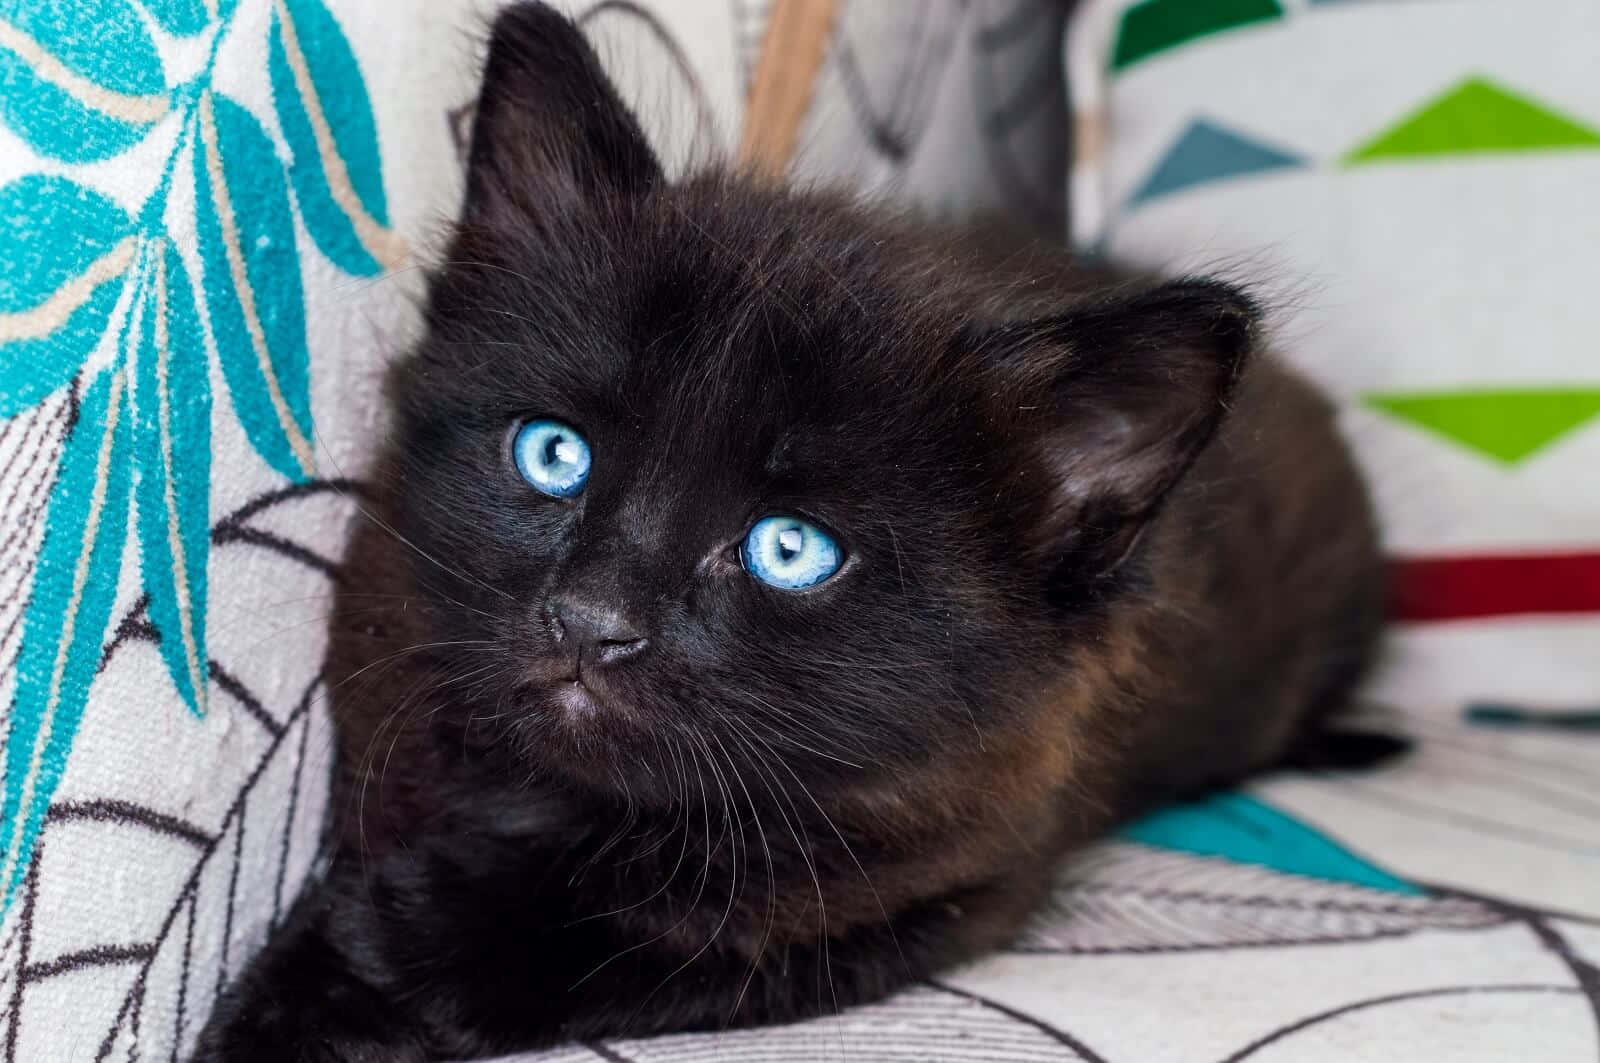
[40, 321]
[780, 92]
[180, 562]
[1088, 138]
[381, 243]
[80, 578]
[48, 68]
[241, 283]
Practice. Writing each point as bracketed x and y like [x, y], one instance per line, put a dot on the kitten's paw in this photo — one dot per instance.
[268, 1033]
[1345, 749]
[306, 1050]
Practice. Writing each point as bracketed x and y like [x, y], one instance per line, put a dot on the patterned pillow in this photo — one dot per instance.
[199, 198]
[1415, 183]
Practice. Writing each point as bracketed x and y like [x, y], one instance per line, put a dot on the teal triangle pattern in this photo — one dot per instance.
[1208, 152]
[1235, 826]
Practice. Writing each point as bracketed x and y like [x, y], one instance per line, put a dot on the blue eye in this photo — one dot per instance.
[789, 553]
[552, 457]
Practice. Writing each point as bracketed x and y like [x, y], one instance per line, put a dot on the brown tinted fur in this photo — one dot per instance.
[1148, 709]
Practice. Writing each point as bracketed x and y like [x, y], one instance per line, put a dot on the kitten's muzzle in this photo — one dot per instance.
[595, 634]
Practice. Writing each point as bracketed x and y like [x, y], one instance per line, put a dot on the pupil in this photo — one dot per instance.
[552, 448]
[789, 543]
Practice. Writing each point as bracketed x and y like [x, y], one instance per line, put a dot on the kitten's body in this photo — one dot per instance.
[1075, 587]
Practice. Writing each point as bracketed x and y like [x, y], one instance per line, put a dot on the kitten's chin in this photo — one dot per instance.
[570, 699]
[585, 707]
[583, 730]
[576, 704]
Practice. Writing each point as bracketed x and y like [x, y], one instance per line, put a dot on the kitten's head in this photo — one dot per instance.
[710, 469]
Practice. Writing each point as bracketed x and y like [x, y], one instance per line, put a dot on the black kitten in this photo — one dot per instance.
[621, 754]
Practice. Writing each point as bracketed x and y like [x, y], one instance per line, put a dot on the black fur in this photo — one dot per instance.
[1066, 594]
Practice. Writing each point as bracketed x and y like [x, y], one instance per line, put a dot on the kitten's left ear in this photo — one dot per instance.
[1128, 392]
[550, 129]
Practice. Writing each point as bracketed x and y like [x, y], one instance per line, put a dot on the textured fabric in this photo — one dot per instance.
[200, 201]
[197, 203]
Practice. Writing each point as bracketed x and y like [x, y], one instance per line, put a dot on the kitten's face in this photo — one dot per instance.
[719, 354]
[718, 367]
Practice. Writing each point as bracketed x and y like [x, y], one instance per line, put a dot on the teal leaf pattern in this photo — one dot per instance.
[1238, 827]
[326, 117]
[74, 587]
[181, 18]
[67, 251]
[172, 434]
[252, 283]
[74, 95]
[80, 82]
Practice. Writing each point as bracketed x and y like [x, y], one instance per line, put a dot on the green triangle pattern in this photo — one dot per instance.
[1157, 25]
[1237, 827]
[1508, 425]
[1476, 117]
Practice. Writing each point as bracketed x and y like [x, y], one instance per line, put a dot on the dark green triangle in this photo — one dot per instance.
[1475, 117]
[1237, 827]
[1508, 425]
[1157, 25]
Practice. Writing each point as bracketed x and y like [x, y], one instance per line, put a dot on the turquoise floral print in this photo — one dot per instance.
[83, 81]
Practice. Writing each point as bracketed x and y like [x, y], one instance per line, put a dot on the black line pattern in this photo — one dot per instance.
[306, 489]
[246, 700]
[40, 435]
[42, 432]
[1082, 1051]
[241, 533]
[925, 1022]
[1541, 922]
[143, 955]
[36, 427]
[1582, 777]
[30, 901]
[115, 810]
[189, 1001]
[135, 627]
[97, 956]
[1122, 898]
[610, 1055]
[1392, 998]
[186, 895]
[235, 529]
[9, 973]
[895, 126]
[233, 893]
[289, 818]
[1517, 833]
[135, 1020]
[647, 26]
[183, 979]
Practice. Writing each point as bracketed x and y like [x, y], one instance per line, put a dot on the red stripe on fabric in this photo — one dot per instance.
[1462, 588]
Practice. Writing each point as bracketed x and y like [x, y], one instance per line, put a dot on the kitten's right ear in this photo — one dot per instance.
[550, 130]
